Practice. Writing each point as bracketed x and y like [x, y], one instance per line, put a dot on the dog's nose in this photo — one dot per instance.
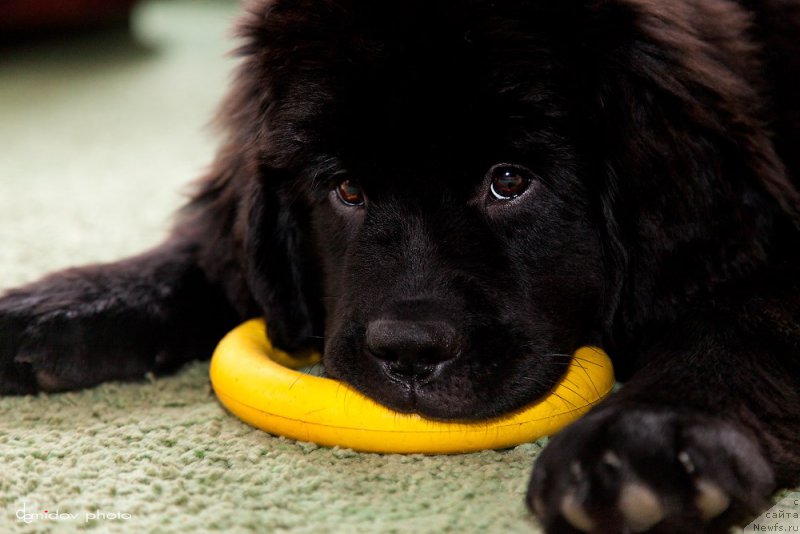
[412, 348]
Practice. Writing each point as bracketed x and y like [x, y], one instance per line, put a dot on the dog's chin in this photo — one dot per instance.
[451, 398]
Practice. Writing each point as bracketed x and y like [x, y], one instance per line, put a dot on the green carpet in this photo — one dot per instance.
[98, 137]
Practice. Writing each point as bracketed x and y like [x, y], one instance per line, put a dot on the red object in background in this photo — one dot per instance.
[21, 17]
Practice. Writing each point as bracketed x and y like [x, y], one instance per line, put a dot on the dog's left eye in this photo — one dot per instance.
[350, 194]
[508, 182]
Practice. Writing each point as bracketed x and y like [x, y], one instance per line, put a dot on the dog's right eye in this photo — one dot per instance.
[350, 194]
[508, 182]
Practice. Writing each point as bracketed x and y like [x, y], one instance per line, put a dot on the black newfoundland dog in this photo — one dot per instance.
[449, 197]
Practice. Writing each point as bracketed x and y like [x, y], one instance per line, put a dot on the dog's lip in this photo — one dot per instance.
[423, 398]
[401, 395]
[413, 381]
[426, 397]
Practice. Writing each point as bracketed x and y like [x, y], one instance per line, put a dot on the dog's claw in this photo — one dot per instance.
[640, 506]
[574, 512]
[711, 501]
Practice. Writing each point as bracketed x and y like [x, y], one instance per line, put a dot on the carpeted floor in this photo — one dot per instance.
[98, 137]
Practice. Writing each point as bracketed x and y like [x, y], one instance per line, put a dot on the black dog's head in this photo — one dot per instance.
[455, 196]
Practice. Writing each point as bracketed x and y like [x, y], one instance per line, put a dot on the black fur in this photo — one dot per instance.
[661, 222]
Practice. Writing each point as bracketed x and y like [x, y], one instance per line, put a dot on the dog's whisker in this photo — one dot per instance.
[558, 395]
[575, 392]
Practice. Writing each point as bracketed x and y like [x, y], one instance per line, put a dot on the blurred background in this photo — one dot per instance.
[104, 113]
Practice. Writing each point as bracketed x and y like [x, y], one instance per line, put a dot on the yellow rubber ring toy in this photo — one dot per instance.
[253, 380]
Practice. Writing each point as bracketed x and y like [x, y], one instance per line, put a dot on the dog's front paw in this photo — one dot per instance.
[54, 338]
[39, 335]
[628, 468]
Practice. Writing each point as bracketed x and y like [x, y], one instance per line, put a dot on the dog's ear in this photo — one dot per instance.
[252, 221]
[692, 191]
[282, 271]
[252, 239]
